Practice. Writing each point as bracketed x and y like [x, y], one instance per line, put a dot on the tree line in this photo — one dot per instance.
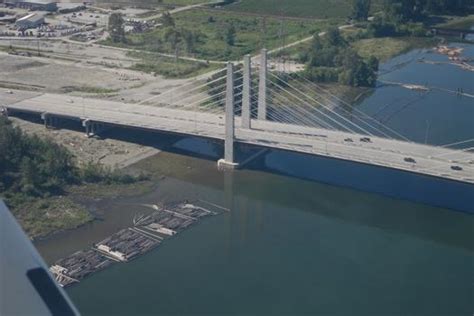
[400, 11]
[173, 37]
[31, 166]
[405, 17]
[332, 59]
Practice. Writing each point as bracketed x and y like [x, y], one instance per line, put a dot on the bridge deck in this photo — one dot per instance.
[430, 160]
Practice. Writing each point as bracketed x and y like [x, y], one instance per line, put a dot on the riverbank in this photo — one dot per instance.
[45, 217]
[42, 218]
[110, 152]
[48, 207]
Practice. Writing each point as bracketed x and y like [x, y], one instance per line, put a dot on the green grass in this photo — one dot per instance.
[146, 3]
[321, 9]
[88, 89]
[43, 217]
[211, 44]
[456, 22]
[168, 67]
[388, 47]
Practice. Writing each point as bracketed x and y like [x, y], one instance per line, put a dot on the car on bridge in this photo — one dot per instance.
[456, 168]
[349, 140]
[365, 140]
[409, 159]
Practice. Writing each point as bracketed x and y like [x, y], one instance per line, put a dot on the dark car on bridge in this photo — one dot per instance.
[365, 140]
[409, 159]
[456, 168]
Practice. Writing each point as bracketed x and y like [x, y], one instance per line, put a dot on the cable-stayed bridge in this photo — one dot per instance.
[265, 108]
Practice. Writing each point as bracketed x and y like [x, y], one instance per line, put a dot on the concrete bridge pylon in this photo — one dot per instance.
[262, 87]
[228, 163]
[247, 93]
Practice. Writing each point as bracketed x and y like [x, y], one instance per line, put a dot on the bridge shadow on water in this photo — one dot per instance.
[365, 195]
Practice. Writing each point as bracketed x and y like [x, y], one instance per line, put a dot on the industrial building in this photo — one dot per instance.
[36, 5]
[30, 21]
[7, 19]
[70, 7]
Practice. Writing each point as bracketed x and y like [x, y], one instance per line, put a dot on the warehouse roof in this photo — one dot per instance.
[33, 17]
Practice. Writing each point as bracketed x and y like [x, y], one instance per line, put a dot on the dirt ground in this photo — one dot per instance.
[75, 69]
[110, 152]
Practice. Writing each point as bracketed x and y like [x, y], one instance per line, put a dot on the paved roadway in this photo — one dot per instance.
[435, 161]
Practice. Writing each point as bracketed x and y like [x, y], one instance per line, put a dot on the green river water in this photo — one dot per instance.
[290, 246]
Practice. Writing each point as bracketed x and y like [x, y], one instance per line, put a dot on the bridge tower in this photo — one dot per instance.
[262, 87]
[247, 93]
[228, 163]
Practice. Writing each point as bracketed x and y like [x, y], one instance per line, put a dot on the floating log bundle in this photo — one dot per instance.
[146, 234]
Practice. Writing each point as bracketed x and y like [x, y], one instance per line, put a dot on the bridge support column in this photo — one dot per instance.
[262, 87]
[4, 111]
[49, 120]
[246, 93]
[87, 125]
[228, 161]
[93, 128]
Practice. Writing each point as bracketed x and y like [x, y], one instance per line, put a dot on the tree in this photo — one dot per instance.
[373, 63]
[189, 40]
[380, 27]
[174, 37]
[29, 176]
[325, 49]
[334, 37]
[167, 20]
[230, 35]
[448, 6]
[332, 59]
[356, 72]
[116, 28]
[401, 11]
[360, 9]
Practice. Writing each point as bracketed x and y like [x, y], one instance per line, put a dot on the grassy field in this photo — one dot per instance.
[388, 47]
[210, 26]
[88, 89]
[168, 67]
[464, 22]
[42, 217]
[321, 9]
[147, 3]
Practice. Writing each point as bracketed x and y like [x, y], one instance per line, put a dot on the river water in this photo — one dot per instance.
[290, 246]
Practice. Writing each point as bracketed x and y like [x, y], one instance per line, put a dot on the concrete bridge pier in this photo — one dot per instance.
[246, 94]
[262, 87]
[228, 163]
[50, 121]
[92, 128]
[4, 111]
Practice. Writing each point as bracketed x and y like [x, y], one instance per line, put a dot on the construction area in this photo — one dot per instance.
[146, 233]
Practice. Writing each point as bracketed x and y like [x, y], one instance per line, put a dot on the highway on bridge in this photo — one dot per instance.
[427, 160]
